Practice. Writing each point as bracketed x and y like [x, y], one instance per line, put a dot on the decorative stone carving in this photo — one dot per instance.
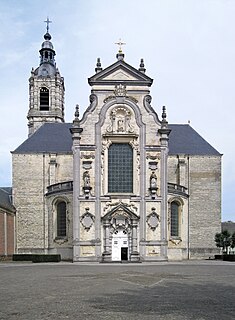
[176, 241]
[120, 90]
[153, 156]
[153, 181]
[86, 180]
[120, 220]
[86, 165]
[120, 118]
[153, 219]
[87, 219]
[89, 155]
[153, 184]
[109, 205]
[153, 165]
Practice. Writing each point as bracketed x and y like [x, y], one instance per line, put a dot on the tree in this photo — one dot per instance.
[233, 240]
[224, 240]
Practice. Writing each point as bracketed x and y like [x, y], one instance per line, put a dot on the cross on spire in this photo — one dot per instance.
[120, 44]
[47, 22]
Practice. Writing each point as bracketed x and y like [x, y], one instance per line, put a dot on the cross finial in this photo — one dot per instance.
[120, 44]
[47, 22]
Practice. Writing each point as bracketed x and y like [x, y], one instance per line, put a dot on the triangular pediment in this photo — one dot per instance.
[122, 72]
[120, 75]
[120, 210]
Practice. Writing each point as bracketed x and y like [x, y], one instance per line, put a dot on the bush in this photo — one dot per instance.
[22, 257]
[36, 258]
[229, 257]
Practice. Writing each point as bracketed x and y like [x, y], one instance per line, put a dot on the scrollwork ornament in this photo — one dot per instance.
[153, 219]
[87, 219]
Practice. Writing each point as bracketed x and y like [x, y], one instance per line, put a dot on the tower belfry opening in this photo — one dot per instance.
[46, 88]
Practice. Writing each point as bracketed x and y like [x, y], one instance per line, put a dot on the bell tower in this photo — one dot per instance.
[46, 88]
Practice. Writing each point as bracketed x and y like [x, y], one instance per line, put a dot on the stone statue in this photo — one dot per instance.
[86, 178]
[153, 181]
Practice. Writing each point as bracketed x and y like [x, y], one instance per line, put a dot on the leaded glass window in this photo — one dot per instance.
[61, 219]
[120, 168]
[174, 219]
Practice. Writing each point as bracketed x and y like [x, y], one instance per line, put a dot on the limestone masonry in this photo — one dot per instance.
[118, 184]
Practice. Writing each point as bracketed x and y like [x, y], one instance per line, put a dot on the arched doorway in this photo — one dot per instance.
[120, 234]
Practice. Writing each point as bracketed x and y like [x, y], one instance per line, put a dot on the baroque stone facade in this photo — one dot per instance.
[119, 184]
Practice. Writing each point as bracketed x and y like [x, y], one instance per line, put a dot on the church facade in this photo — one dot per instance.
[118, 184]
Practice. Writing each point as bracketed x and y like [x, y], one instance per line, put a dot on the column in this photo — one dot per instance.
[134, 254]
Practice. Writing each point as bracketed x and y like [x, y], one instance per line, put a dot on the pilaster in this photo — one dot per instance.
[76, 131]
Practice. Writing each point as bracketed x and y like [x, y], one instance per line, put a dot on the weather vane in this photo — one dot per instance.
[120, 44]
[47, 22]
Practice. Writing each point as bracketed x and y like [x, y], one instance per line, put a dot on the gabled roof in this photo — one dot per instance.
[56, 138]
[184, 139]
[120, 71]
[5, 199]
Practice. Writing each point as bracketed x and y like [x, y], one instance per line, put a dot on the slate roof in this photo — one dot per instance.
[50, 137]
[5, 199]
[56, 137]
[185, 140]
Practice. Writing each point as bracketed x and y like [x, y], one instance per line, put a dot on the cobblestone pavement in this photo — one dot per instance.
[184, 290]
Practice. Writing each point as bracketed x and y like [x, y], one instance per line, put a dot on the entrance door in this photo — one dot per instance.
[120, 245]
[124, 253]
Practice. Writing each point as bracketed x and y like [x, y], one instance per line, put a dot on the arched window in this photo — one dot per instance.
[120, 168]
[175, 219]
[61, 219]
[44, 99]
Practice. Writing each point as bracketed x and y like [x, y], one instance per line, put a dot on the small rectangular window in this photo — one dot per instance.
[44, 99]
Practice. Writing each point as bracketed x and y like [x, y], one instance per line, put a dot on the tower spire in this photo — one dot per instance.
[46, 88]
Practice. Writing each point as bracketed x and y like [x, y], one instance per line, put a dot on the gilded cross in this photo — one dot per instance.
[120, 44]
[47, 22]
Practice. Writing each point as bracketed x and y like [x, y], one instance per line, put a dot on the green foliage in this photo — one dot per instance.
[225, 240]
[22, 257]
[233, 240]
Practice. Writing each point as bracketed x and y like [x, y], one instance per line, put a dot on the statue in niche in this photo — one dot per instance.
[120, 120]
[86, 179]
[153, 181]
[120, 125]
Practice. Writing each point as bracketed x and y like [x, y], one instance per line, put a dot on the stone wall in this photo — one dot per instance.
[32, 173]
[204, 204]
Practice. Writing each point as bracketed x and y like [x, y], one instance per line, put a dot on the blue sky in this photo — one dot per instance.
[188, 48]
